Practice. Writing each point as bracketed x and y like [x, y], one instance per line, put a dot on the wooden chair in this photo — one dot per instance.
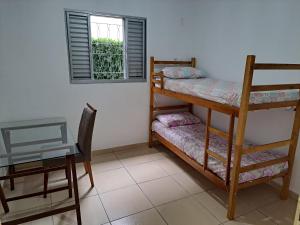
[84, 145]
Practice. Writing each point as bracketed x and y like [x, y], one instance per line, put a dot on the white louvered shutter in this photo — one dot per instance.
[78, 32]
[136, 48]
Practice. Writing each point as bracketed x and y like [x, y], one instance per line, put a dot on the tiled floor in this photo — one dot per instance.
[142, 186]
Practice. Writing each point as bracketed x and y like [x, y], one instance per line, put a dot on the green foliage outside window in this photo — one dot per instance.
[107, 59]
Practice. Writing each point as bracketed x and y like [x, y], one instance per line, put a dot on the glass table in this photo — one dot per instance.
[24, 142]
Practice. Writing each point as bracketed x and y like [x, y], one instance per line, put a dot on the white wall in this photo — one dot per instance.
[34, 76]
[229, 30]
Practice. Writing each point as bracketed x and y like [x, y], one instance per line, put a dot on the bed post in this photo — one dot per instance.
[193, 62]
[151, 102]
[208, 123]
[229, 148]
[240, 135]
[190, 107]
[292, 150]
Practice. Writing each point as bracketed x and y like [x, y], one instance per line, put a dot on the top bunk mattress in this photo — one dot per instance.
[225, 92]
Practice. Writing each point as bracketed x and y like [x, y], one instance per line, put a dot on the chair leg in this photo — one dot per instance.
[11, 170]
[88, 169]
[46, 177]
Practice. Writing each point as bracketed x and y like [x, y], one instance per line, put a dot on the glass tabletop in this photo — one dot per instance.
[35, 140]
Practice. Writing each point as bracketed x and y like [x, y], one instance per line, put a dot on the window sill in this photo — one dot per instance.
[107, 81]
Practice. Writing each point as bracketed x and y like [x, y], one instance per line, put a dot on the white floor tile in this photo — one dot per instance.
[146, 171]
[148, 217]
[163, 190]
[112, 180]
[124, 202]
[186, 212]
[92, 213]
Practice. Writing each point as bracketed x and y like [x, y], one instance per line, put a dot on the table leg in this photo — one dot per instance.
[69, 177]
[11, 170]
[3, 200]
[75, 185]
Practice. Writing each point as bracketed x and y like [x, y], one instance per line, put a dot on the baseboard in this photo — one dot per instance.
[275, 185]
[119, 148]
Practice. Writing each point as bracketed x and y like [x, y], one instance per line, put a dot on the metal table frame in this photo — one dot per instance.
[70, 164]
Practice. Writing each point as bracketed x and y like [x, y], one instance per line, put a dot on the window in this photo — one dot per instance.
[106, 48]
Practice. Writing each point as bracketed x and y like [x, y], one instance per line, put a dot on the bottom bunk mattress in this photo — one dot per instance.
[191, 140]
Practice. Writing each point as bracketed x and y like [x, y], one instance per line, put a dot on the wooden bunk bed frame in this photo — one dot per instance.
[231, 183]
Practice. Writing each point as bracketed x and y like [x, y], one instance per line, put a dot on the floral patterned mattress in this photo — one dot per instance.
[191, 140]
[225, 92]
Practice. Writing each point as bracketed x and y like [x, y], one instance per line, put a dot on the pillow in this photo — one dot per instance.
[180, 72]
[178, 119]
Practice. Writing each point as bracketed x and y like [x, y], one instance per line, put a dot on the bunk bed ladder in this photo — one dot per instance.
[291, 153]
[227, 136]
[240, 135]
[245, 107]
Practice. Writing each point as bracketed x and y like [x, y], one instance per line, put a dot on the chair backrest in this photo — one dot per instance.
[85, 132]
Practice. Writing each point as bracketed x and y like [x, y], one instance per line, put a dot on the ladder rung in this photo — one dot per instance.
[263, 164]
[217, 156]
[272, 105]
[260, 180]
[273, 66]
[265, 147]
[218, 132]
[156, 81]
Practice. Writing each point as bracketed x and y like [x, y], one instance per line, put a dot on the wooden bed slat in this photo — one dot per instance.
[159, 62]
[272, 105]
[170, 107]
[218, 132]
[263, 164]
[259, 148]
[217, 156]
[274, 87]
[199, 101]
[260, 180]
[274, 66]
[159, 74]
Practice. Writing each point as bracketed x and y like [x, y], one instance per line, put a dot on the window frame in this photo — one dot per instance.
[123, 17]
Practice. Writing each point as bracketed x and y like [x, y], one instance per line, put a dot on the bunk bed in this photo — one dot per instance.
[227, 160]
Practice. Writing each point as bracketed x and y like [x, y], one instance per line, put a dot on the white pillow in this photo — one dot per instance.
[178, 119]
